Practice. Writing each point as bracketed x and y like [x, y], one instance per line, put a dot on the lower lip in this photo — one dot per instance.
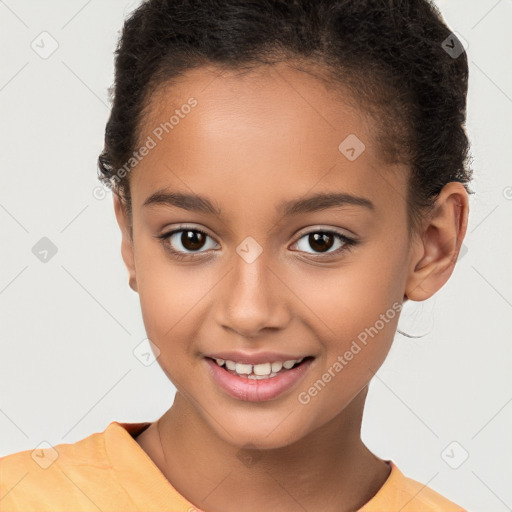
[257, 390]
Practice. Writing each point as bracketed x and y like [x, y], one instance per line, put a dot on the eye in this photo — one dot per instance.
[324, 240]
[185, 241]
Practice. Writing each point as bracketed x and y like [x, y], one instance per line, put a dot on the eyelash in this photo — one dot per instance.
[349, 243]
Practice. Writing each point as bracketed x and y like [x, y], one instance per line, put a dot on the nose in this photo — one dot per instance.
[253, 298]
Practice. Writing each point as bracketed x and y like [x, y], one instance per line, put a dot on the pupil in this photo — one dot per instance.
[318, 240]
[192, 240]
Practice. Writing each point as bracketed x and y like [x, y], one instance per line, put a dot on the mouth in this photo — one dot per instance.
[259, 382]
[259, 371]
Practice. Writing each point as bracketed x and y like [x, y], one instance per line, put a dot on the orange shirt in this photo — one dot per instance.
[110, 472]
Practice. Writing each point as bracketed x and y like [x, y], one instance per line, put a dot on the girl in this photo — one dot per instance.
[286, 174]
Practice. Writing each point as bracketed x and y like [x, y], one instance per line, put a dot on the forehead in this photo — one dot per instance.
[276, 132]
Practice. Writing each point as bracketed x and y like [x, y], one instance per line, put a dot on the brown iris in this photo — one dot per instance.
[318, 241]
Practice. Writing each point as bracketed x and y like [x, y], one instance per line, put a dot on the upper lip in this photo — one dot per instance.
[255, 357]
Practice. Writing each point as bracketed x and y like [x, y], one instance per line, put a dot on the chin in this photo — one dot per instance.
[266, 436]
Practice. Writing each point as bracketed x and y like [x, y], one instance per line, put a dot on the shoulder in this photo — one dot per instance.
[400, 492]
[54, 477]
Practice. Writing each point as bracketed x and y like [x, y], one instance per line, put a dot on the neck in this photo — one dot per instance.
[328, 469]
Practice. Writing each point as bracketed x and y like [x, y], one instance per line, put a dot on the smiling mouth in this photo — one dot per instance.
[260, 371]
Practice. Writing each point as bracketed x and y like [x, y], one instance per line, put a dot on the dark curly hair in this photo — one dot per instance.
[392, 56]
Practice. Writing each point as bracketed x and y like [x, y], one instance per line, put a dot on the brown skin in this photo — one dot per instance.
[251, 142]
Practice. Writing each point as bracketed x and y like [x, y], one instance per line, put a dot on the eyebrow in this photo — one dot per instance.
[317, 202]
[190, 202]
[323, 201]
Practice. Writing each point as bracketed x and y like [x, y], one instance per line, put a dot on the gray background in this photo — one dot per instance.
[69, 325]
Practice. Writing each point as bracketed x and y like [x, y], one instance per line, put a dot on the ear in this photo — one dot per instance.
[126, 241]
[436, 248]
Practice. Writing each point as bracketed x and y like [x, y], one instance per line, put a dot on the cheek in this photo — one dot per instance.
[355, 321]
[170, 298]
[356, 310]
[347, 300]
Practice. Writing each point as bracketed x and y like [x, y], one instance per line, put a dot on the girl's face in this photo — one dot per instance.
[263, 277]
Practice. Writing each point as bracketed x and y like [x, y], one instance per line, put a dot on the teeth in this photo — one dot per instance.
[243, 369]
[262, 369]
[277, 366]
[258, 371]
[260, 377]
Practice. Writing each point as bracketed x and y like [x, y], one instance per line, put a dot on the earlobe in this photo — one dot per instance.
[436, 249]
[133, 283]
[127, 251]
